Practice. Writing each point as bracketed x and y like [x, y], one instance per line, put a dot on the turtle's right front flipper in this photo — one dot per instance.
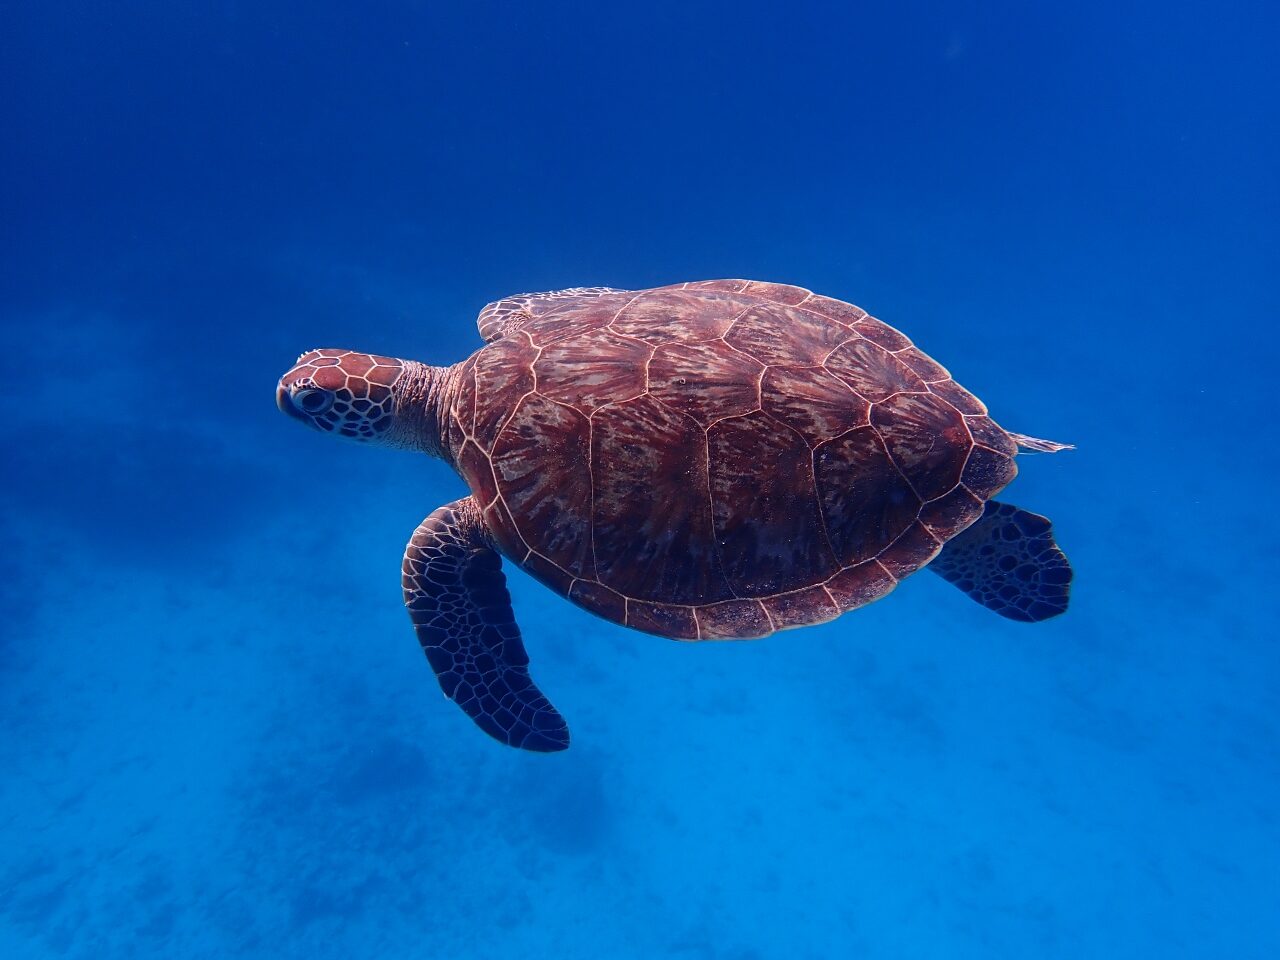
[461, 610]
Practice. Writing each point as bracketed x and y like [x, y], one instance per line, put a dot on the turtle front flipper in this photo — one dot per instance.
[461, 610]
[509, 314]
[1008, 561]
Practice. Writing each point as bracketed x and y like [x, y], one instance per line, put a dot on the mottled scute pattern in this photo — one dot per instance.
[547, 504]
[617, 372]
[1009, 562]
[768, 524]
[719, 459]
[458, 601]
[649, 543]
[865, 499]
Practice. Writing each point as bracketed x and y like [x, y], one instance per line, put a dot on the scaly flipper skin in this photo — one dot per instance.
[1009, 563]
[509, 314]
[457, 598]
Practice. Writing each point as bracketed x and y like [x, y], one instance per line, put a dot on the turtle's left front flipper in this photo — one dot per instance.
[461, 610]
[1008, 561]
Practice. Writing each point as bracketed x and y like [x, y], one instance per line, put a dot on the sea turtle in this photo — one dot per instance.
[707, 460]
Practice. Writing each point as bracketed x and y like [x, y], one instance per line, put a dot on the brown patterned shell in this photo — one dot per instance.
[717, 459]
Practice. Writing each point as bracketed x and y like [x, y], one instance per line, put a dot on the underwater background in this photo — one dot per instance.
[218, 735]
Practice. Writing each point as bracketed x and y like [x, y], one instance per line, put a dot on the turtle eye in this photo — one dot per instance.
[313, 401]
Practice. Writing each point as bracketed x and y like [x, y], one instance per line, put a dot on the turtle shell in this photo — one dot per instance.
[718, 459]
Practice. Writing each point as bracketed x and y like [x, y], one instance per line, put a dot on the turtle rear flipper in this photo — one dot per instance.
[1008, 561]
[461, 610]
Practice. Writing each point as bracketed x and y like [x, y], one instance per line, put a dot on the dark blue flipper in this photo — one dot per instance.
[1009, 563]
[461, 610]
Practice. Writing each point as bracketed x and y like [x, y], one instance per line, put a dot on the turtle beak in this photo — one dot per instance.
[284, 400]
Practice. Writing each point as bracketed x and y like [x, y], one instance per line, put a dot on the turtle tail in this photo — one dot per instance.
[1038, 445]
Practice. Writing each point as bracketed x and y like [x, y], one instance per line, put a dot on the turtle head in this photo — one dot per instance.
[344, 393]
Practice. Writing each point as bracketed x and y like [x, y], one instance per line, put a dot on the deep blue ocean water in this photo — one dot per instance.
[218, 736]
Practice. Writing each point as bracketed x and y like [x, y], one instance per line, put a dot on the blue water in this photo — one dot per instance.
[218, 735]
